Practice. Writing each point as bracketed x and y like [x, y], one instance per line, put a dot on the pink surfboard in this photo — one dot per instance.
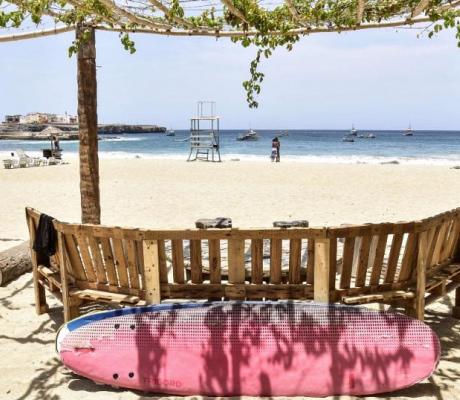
[250, 348]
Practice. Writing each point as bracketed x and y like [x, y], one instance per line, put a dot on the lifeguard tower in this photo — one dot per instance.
[204, 133]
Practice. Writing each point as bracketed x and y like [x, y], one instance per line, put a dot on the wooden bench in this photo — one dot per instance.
[407, 264]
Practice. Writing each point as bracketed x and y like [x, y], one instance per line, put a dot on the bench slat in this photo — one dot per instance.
[162, 261]
[196, 261]
[178, 261]
[257, 248]
[97, 259]
[393, 257]
[73, 256]
[132, 264]
[378, 259]
[363, 261]
[347, 262]
[120, 262]
[107, 256]
[86, 257]
[295, 246]
[275, 260]
[410, 252]
[310, 261]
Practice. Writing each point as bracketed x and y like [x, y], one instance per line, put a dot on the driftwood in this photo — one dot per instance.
[14, 262]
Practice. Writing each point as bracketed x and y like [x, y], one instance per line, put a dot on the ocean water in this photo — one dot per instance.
[425, 147]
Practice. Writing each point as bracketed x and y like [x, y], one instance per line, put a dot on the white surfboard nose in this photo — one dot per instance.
[62, 333]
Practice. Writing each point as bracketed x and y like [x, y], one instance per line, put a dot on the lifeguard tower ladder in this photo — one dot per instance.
[204, 133]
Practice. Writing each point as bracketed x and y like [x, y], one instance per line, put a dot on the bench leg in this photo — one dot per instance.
[416, 309]
[456, 307]
[71, 308]
[41, 307]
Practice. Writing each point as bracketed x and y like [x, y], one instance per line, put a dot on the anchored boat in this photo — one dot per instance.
[249, 135]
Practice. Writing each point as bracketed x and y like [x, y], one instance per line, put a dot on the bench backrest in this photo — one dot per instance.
[380, 257]
[252, 263]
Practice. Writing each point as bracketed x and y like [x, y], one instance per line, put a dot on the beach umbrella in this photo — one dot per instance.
[266, 25]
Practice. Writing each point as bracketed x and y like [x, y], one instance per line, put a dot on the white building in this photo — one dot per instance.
[47, 118]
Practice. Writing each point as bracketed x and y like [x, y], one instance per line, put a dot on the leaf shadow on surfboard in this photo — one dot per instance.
[252, 348]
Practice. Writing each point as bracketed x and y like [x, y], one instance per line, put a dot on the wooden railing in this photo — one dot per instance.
[391, 262]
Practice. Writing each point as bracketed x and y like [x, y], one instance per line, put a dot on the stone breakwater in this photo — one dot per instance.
[32, 131]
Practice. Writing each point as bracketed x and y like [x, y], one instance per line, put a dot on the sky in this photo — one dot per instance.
[381, 79]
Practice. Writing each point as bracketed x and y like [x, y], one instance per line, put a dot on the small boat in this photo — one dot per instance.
[170, 132]
[361, 136]
[348, 138]
[285, 133]
[249, 135]
[408, 131]
[370, 136]
[353, 131]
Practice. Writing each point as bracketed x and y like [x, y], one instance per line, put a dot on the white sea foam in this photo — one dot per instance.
[121, 139]
[450, 160]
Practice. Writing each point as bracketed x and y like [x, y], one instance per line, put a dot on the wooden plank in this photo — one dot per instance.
[236, 271]
[120, 262]
[178, 261]
[347, 262]
[152, 271]
[74, 257]
[439, 244]
[132, 264]
[139, 250]
[384, 296]
[86, 257]
[363, 260]
[162, 261]
[39, 291]
[410, 253]
[322, 265]
[453, 239]
[257, 248]
[421, 275]
[253, 291]
[393, 257]
[97, 259]
[99, 295]
[275, 260]
[69, 311]
[196, 261]
[356, 251]
[450, 227]
[333, 262]
[197, 234]
[107, 256]
[310, 261]
[214, 261]
[433, 236]
[295, 246]
[373, 249]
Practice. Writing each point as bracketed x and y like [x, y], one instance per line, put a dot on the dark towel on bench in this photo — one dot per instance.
[45, 237]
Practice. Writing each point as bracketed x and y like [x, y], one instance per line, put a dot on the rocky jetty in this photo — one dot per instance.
[69, 131]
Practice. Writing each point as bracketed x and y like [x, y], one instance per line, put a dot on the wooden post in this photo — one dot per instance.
[321, 292]
[236, 271]
[456, 307]
[41, 306]
[87, 120]
[151, 271]
[70, 305]
[419, 306]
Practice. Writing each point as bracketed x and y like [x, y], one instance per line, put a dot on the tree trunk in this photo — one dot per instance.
[87, 119]
[14, 262]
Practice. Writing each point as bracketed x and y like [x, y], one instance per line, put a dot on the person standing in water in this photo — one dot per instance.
[276, 149]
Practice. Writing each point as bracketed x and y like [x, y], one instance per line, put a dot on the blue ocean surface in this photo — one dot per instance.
[425, 147]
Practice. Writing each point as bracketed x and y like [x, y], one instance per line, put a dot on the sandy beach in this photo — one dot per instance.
[159, 193]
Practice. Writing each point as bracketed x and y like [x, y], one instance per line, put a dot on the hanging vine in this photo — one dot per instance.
[265, 29]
